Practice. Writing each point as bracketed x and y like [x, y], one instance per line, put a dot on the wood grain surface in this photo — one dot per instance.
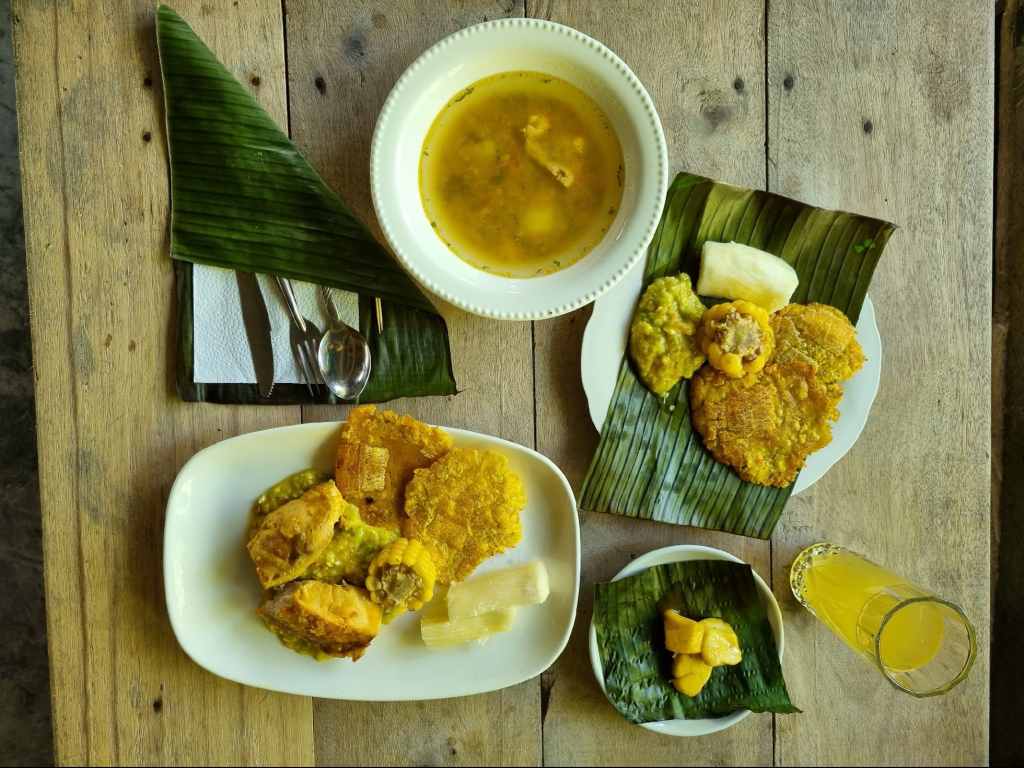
[343, 59]
[713, 128]
[903, 131]
[112, 434]
[913, 493]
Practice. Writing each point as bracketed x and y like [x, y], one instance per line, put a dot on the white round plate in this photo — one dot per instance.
[607, 334]
[679, 554]
[212, 590]
[453, 64]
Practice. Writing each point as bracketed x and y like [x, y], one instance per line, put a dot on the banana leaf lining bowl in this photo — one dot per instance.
[676, 554]
[509, 45]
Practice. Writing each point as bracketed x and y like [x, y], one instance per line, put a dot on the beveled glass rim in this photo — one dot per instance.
[967, 665]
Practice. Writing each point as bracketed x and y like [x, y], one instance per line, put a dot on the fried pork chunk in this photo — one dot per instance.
[340, 620]
[822, 337]
[408, 445]
[463, 509]
[763, 426]
[292, 536]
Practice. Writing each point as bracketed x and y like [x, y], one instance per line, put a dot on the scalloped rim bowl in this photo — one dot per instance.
[456, 62]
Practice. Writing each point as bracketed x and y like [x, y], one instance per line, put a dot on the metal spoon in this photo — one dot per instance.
[344, 355]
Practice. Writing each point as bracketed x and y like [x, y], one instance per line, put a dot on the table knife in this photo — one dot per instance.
[257, 330]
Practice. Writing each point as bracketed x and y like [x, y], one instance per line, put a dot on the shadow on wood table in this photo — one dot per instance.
[26, 736]
[1006, 746]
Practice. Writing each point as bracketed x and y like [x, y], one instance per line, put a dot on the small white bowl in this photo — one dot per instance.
[679, 554]
[509, 45]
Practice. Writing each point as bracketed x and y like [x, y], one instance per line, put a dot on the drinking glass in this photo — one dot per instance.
[922, 644]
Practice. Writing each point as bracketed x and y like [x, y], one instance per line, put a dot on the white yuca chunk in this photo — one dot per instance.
[443, 632]
[499, 590]
[734, 271]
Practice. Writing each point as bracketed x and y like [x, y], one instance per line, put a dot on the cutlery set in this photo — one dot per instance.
[338, 359]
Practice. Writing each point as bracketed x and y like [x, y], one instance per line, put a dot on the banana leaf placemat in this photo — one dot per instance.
[631, 642]
[243, 197]
[650, 462]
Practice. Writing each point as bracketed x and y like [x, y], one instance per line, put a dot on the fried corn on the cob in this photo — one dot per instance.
[401, 578]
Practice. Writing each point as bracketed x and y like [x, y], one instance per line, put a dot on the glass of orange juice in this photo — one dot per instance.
[924, 645]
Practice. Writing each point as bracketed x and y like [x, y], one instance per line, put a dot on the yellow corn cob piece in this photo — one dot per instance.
[737, 338]
[401, 578]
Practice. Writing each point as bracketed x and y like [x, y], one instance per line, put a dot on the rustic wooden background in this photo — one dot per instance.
[879, 107]
[1007, 695]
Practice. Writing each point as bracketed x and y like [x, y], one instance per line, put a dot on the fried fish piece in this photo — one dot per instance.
[340, 620]
[463, 509]
[821, 336]
[291, 538]
[410, 445]
[763, 426]
[360, 469]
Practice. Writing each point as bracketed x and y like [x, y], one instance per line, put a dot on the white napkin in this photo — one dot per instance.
[221, 348]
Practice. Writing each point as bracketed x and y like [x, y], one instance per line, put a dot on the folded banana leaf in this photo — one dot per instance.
[637, 667]
[399, 370]
[243, 197]
[650, 462]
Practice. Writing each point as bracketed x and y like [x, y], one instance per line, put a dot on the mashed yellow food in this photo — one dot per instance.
[662, 341]
[348, 556]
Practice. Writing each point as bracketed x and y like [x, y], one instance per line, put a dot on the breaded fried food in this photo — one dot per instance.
[410, 445]
[763, 426]
[463, 509]
[360, 469]
[822, 337]
[339, 620]
[292, 536]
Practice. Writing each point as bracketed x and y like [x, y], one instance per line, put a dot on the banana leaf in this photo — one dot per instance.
[637, 667]
[243, 197]
[650, 462]
[399, 371]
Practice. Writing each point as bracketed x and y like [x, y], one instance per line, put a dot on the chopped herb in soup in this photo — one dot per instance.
[521, 174]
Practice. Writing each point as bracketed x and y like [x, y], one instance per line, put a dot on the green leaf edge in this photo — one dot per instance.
[397, 372]
[675, 479]
[636, 665]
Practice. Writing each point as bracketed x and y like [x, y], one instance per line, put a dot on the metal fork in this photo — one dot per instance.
[305, 339]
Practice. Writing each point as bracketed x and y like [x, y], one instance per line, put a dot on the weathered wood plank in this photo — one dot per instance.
[703, 64]
[343, 59]
[112, 434]
[887, 110]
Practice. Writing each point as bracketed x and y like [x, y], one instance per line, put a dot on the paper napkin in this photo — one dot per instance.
[221, 347]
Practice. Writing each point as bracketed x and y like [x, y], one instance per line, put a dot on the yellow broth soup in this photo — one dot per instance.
[521, 174]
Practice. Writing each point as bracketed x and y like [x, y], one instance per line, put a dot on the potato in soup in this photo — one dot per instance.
[521, 174]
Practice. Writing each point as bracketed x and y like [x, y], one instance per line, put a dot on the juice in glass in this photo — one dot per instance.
[924, 645]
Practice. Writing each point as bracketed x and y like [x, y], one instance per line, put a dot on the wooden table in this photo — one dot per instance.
[880, 108]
